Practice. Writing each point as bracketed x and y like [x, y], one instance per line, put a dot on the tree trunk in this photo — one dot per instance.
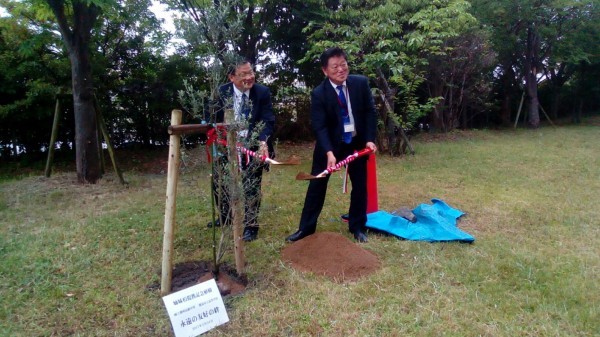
[508, 77]
[86, 128]
[577, 111]
[557, 76]
[534, 104]
[77, 39]
[531, 78]
[387, 116]
[554, 102]
[437, 115]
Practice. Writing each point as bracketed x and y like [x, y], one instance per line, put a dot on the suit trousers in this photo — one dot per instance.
[251, 185]
[317, 190]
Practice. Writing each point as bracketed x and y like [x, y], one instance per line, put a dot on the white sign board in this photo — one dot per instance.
[196, 309]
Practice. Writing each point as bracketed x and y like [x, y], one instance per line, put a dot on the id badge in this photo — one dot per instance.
[348, 127]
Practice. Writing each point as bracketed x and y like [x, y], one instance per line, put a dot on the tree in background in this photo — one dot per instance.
[75, 20]
[136, 81]
[34, 67]
[417, 50]
[462, 77]
[538, 40]
[575, 45]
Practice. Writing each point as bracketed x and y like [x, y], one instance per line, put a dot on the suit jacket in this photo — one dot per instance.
[262, 111]
[326, 119]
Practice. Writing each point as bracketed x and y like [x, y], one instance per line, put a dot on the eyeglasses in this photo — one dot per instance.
[245, 75]
[334, 67]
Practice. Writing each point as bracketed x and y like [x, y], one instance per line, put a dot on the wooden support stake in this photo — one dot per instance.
[172, 178]
[111, 151]
[519, 111]
[99, 134]
[545, 114]
[237, 199]
[53, 137]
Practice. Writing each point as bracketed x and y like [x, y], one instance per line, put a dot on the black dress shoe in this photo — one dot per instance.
[250, 234]
[361, 237]
[297, 236]
[217, 223]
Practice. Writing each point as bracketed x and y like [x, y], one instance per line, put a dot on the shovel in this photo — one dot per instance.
[293, 160]
[336, 167]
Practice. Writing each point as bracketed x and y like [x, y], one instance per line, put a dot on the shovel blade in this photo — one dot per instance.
[305, 176]
[293, 160]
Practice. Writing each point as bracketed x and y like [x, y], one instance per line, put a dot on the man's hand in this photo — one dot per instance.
[331, 160]
[372, 146]
[263, 149]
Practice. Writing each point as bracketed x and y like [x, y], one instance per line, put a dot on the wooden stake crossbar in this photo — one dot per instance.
[188, 129]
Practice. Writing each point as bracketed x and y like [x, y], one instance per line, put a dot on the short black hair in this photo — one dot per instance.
[332, 52]
[236, 64]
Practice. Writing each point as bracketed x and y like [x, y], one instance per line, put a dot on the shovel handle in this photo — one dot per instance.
[346, 161]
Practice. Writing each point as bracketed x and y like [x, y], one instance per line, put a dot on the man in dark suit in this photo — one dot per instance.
[252, 106]
[343, 120]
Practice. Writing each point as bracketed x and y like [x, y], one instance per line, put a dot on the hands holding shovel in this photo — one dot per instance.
[338, 166]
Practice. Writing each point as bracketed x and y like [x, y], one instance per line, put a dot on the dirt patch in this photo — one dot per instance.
[331, 255]
[190, 273]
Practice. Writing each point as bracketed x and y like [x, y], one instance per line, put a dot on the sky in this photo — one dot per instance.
[161, 12]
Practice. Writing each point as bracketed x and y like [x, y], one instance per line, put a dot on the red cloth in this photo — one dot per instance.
[213, 136]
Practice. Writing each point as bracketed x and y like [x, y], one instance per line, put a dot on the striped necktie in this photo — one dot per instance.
[347, 137]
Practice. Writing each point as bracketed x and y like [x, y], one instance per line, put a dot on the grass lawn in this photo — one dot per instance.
[81, 260]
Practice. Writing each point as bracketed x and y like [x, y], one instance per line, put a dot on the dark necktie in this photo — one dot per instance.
[347, 138]
[245, 108]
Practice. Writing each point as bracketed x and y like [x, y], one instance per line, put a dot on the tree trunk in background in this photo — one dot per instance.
[392, 141]
[577, 110]
[531, 77]
[558, 76]
[86, 129]
[437, 115]
[554, 103]
[435, 85]
[508, 77]
[77, 40]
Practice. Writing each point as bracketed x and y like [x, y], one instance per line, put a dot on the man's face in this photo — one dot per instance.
[243, 78]
[336, 70]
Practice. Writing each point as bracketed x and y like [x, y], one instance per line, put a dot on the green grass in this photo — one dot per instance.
[79, 260]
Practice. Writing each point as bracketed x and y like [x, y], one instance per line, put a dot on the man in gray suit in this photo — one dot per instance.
[251, 102]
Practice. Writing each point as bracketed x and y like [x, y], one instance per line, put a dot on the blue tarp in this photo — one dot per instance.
[436, 222]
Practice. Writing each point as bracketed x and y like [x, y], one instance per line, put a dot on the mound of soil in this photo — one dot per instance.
[331, 255]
